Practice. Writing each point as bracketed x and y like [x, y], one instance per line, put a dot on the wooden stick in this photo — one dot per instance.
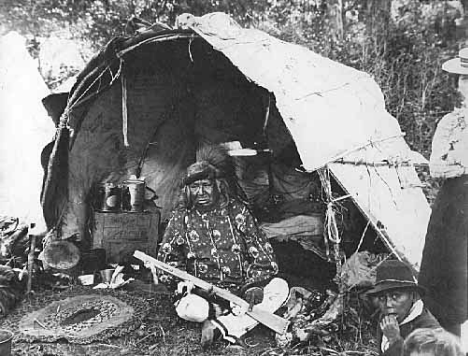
[40, 324]
[381, 163]
[32, 250]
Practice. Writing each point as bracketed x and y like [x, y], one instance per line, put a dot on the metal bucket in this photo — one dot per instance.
[106, 275]
[6, 337]
[110, 197]
[134, 195]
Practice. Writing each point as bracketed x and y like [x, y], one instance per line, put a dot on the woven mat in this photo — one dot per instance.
[79, 315]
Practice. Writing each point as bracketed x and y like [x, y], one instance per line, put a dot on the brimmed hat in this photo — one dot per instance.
[457, 65]
[394, 274]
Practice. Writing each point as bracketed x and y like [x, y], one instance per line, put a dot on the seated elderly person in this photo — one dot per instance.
[398, 297]
[213, 236]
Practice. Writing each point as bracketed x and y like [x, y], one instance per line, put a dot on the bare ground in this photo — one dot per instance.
[161, 332]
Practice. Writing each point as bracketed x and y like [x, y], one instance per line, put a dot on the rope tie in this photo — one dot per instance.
[331, 224]
[332, 227]
[331, 231]
[123, 82]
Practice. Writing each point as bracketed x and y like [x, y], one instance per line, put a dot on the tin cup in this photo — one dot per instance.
[106, 275]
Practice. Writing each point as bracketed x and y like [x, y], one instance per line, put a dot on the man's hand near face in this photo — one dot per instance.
[390, 328]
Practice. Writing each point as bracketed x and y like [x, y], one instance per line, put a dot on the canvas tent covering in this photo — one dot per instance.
[24, 130]
[148, 101]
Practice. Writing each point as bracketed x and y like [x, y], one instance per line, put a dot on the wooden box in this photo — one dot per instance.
[120, 234]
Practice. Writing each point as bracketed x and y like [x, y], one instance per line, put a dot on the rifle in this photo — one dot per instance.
[270, 320]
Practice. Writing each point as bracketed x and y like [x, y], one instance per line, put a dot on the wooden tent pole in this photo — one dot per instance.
[265, 142]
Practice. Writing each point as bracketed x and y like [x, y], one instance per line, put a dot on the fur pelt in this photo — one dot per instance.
[218, 157]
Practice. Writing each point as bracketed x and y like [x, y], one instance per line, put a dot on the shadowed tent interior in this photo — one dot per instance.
[180, 94]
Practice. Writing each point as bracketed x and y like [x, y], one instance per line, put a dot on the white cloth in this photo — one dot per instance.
[415, 311]
[233, 326]
[449, 156]
[193, 308]
[464, 336]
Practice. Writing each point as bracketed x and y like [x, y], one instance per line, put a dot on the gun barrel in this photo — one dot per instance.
[274, 322]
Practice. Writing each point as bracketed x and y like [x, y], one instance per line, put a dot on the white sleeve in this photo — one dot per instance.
[449, 157]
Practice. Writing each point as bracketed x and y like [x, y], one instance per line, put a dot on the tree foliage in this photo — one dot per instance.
[402, 43]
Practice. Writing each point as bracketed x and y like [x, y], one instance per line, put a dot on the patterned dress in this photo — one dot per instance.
[222, 246]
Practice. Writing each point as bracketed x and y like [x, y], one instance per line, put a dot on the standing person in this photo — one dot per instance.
[213, 236]
[398, 297]
[444, 263]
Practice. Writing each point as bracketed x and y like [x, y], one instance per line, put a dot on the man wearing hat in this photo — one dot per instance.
[213, 236]
[444, 265]
[398, 297]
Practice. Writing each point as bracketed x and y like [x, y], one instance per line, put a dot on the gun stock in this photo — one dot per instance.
[270, 320]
